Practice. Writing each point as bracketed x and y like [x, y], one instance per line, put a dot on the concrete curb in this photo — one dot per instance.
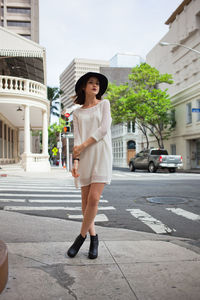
[3, 265]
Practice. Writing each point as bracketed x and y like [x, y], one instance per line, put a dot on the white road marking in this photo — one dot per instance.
[153, 223]
[40, 195]
[32, 208]
[184, 213]
[12, 200]
[38, 188]
[98, 218]
[61, 201]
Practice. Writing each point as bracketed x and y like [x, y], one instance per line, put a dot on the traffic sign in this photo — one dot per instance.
[54, 150]
[195, 109]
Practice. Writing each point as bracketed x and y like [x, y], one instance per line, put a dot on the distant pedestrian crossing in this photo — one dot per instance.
[63, 200]
[44, 196]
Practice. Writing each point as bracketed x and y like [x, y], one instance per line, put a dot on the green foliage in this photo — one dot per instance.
[141, 100]
[53, 131]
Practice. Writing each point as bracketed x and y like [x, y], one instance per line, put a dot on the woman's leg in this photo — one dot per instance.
[91, 209]
[84, 194]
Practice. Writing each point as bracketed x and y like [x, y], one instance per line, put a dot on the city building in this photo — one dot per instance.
[21, 17]
[24, 107]
[125, 136]
[73, 72]
[183, 64]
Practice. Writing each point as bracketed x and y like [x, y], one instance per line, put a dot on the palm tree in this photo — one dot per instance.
[54, 93]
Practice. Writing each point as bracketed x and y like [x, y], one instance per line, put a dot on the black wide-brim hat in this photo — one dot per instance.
[103, 81]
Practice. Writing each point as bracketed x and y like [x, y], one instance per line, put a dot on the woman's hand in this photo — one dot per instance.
[75, 169]
[77, 150]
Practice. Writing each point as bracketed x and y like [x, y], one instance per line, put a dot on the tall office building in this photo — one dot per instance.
[73, 72]
[21, 17]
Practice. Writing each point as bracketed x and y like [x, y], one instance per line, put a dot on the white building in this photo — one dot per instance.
[77, 68]
[21, 17]
[24, 107]
[184, 65]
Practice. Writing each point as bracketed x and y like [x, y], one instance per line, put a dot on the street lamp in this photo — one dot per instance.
[176, 44]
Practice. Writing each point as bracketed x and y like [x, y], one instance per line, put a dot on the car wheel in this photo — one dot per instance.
[172, 170]
[131, 167]
[151, 168]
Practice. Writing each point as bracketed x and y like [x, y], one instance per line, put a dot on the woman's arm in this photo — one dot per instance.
[99, 133]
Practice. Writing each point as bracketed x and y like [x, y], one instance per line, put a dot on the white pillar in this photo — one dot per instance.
[26, 129]
[44, 133]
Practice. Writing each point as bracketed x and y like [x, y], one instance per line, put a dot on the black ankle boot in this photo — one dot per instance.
[73, 250]
[94, 243]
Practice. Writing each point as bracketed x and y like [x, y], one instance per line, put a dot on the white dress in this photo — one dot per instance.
[96, 160]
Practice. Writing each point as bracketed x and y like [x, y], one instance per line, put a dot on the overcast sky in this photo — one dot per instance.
[98, 29]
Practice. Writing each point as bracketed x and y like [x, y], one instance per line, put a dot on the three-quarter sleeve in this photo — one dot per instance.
[77, 138]
[105, 122]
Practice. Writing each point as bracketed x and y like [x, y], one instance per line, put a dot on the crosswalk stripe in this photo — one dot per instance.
[184, 213]
[40, 195]
[150, 221]
[50, 189]
[61, 201]
[98, 218]
[12, 200]
[38, 208]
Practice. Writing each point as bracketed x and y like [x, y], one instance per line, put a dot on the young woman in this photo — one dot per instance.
[92, 153]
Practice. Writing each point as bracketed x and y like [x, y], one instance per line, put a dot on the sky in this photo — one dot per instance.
[98, 29]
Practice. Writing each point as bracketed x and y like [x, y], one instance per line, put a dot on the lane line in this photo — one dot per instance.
[184, 213]
[98, 218]
[38, 208]
[150, 221]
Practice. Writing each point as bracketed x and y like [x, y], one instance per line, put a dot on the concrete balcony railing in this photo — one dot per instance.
[16, 85]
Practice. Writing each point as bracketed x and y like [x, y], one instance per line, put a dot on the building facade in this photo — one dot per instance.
[183, 64]
[24, 107]
[125, 136]
[21, 17]
[77, 68]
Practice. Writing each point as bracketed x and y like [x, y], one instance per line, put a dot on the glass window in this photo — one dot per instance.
[131, 145]
[198, 114]
[189, 113]
[19, 23]
[18, 10]
[159, 152]
[173, 149]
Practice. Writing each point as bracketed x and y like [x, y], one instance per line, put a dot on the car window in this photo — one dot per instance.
[159, 152]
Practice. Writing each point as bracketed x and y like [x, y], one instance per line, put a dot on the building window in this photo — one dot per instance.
[173, 149]
[131, 126]
[27, 36]
[189, 113]
[18, 10]
[19, 24]
[198, 114]
[131, 145]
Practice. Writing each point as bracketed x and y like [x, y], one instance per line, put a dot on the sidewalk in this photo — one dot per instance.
[131, 265]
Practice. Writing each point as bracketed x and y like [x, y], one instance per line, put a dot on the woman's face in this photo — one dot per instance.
[92, 86]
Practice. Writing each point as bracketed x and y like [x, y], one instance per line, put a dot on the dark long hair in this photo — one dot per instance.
[79, 98]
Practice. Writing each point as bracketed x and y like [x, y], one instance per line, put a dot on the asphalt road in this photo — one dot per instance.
[124, 203]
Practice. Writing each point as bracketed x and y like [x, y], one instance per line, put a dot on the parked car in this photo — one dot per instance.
[154, 159]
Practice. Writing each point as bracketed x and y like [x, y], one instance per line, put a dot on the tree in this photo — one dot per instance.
[54, 93]
[53, 134]
[141, 100]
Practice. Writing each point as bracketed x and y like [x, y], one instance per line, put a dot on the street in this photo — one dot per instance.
[126, 203]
